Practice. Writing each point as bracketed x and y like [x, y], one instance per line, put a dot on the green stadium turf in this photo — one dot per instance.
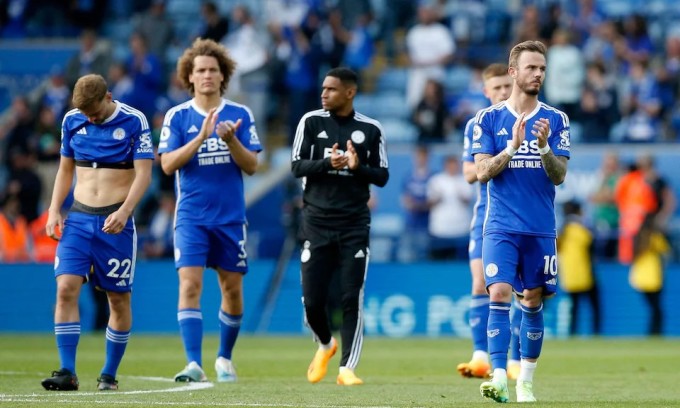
[414, 372]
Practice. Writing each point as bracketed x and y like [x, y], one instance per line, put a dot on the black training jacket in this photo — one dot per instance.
[338, 198]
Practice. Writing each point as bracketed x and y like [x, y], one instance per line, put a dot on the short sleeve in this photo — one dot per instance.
[142, 146]
[66, 149]
[482, 137]
[247, 132]
[560, 138]
[171, 133]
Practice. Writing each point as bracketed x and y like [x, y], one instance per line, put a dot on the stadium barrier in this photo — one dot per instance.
[422, 299]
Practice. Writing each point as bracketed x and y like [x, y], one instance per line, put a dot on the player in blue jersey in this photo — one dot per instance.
[497, 87]
[208, 142]
[107, 145]
[521, 149]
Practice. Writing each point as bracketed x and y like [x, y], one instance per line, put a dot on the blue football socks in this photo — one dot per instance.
[498, 333]
[116, 342]
[531, 331]
[515, 322]
[478, 318]
[230, 325]
[68, 335]
[191, 330]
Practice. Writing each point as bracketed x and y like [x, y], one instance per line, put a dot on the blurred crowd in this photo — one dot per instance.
[614, 70]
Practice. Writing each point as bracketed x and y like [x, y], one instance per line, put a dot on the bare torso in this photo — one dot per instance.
[102, 187]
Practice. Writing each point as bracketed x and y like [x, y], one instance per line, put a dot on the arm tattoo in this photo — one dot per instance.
[489, 166]
[555, 167]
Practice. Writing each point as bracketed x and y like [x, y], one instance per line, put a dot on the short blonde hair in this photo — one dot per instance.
[88, 91]
[494, 70]
[207, 48]
[529, 46]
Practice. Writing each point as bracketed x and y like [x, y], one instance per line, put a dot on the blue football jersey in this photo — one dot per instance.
[209, 187]
[479, 210]
[521, 198]
[122, 137]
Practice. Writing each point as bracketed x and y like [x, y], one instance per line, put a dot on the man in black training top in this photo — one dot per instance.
[338, 153]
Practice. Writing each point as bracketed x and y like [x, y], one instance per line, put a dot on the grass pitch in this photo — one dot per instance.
[414, 372]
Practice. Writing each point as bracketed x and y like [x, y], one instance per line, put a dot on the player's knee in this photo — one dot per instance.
[119, 302]
[190, 288]
[67, 292]
[500, 292]
[532, 298]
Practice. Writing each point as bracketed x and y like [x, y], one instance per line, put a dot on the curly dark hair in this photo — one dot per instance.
[205, 47]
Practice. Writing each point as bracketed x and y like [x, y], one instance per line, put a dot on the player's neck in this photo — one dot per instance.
[522, 102]
[207, 102]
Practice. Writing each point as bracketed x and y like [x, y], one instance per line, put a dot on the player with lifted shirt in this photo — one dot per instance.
[521, 148]
[107, 146]
[207, 142]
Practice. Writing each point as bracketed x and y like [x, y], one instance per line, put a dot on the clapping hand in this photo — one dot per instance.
[338, 160]
[227, 129]
[353, 158]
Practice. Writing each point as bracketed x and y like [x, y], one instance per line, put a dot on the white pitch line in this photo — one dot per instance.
[188, 403]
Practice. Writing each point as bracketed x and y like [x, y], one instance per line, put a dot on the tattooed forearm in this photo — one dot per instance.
[555, 167]
[489, 166]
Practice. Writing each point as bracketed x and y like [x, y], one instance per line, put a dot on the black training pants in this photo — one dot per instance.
[326, 251]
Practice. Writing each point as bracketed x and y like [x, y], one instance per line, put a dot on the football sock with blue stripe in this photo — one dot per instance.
[515, 323]
[230, 325]
[67, 335]
[116, 342]
[498, 333]
[531, 331]
[478, 319]
[191, 330]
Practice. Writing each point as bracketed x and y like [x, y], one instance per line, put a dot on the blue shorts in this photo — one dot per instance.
[523, 261]
[212, 246]
[475, 246]
[106, 259]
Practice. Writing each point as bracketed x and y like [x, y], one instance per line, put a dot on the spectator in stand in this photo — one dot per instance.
[156, 27]
[360, 49]
[159, 242]
[605, 212]
[56, 94]
[17, 131]
[397, 17]
[215, 27]
[642, 105]
[600, 47]
[599, 109]
[449, 197]
[413, 245]
[586, 18]
[565, 75]
[668, 75]
[427, 62]
[87, 13]
[120, 83]
[90, 59]
[556, 21]
[146, 72]
[251, 80]
[637, 46]
[13, 230]
[48, 136]
[528, 27]
[25, 182]
[431, 116]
